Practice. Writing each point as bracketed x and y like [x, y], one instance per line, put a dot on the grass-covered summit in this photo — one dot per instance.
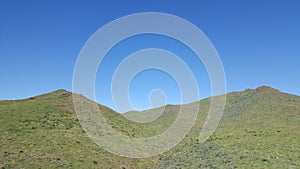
[259, 129]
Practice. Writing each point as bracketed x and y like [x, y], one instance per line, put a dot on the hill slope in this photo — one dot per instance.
[259, 129]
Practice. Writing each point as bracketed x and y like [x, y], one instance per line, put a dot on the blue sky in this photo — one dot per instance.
[257, 41]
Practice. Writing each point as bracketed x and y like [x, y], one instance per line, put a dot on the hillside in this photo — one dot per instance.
[259, 129]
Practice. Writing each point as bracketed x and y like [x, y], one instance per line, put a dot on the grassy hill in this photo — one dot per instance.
[259, 129]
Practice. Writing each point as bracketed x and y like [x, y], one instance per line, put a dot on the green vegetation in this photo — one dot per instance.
[259, 129]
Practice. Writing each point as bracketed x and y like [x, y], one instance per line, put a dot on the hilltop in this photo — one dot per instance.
[259, 129]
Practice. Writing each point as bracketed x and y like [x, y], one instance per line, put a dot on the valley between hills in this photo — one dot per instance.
[259, 129]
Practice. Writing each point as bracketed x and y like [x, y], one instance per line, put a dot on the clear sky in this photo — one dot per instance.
[257, 41]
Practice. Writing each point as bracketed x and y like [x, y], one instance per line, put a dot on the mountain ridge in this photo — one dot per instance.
[263, 88]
